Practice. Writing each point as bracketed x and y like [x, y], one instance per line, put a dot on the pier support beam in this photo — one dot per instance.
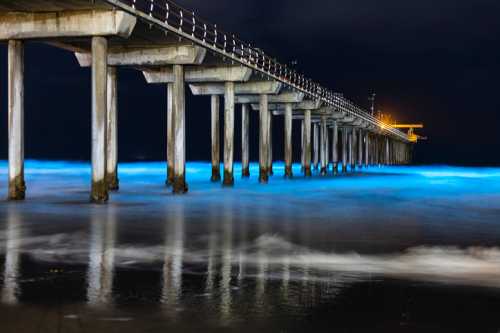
[17, 187]
[351, 149]
[170, 135]
[288, 141]
[344, 150]
[327, 147]
[263, 139]
[367, 149]
[316, 146]
[112, 131]
[323, 145]
[302, 147]
[99, 190]
[335, 153]
[215, 134]
[245, 141]
[307, 143]
[360, 148]
[179, 130]
[387, 159]
[229, 134]
[354, 150]
[270, 151]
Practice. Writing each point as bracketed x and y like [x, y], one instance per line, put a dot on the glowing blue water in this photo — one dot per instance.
[380, 210]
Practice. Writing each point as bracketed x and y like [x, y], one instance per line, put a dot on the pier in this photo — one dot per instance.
[175, 48]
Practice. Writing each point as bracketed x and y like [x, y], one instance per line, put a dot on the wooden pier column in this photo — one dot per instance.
[344, 150]
[112, 131]
[170, 135]
[316, 146]
[215, 136]
[335, 152]
[263, 139]
[229, 134]
[99, 190]
[17, 186]
[288, 141]
[323, 146]
[245, 141]
[307, 143]
[360, 148]
[270, 151]
[179, 128]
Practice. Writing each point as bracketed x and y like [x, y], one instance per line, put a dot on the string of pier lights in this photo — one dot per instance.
[171, 17]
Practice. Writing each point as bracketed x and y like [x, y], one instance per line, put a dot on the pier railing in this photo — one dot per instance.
[171, 17]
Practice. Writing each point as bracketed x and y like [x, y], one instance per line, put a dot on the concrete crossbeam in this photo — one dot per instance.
[201, 74]
[154, 56]
[302, 106]
[285, 97]
[247, 88]
[25, 25]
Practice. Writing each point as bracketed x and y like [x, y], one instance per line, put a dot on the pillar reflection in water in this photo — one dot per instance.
[174, 252]
[212, 252]
[101, 256]
[262, 263]
[226, 257]
[13, 233]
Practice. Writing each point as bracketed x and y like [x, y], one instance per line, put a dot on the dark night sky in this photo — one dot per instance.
[432, 61]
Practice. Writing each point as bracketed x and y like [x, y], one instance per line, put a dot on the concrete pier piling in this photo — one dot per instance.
[367, 149]
[327, 147]
[316, 146]
[288, 141]
[170, 135]
[360, 148]
[335, 152]
[99, 189]
[112, 131]
[351, 149]
[270, 140]
[229, 134]
[263, 139]
[387, 159]
[215, 136]
[302, 147]
[17, 186]
[323, 145]
[179, 128]
[344, 150]
[307, 143]
[245, 141]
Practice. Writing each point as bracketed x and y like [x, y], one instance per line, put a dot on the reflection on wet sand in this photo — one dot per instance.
[173, 260]
[12, 256]
[101, 257]
[227, 262]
